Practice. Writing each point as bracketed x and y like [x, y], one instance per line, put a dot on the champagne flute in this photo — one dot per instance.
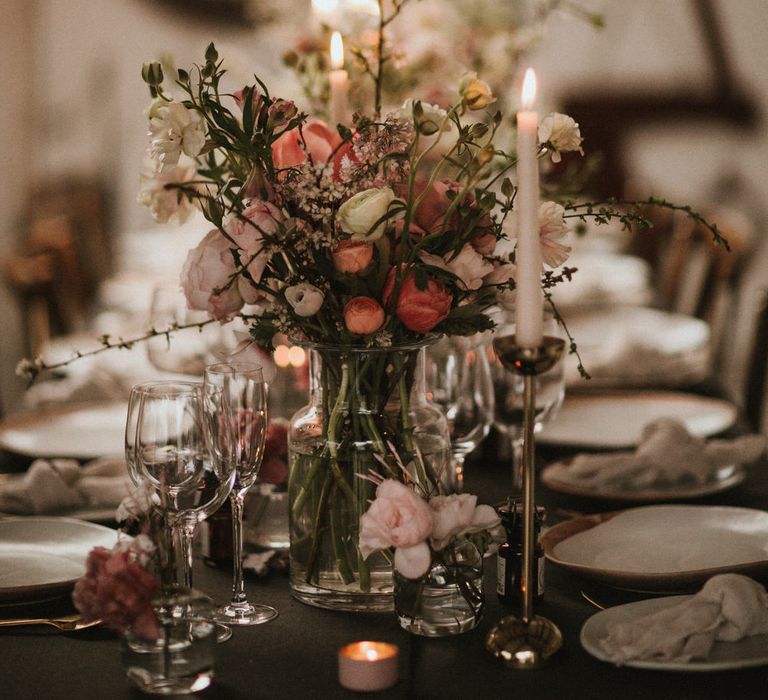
[237, 428]
[508, 388]
[459, 381]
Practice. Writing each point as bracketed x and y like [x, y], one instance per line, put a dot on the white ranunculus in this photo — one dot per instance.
[552, 229]
[469, 266]
[165, 203]
[561, 133]
[174, 130]
[358, 215]
[431, 120]
[304, 298]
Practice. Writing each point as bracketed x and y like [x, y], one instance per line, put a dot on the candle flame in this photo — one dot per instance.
[337, 51]
[529, 88]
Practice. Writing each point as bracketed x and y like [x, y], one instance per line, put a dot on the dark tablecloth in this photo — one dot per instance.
[295, 655]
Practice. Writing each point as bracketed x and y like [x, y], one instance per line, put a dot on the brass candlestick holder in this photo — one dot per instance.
[528, 640]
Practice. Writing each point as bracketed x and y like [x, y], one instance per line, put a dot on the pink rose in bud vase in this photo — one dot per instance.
[352, 257]
[419, 310]
[363, 315]
[319, 142]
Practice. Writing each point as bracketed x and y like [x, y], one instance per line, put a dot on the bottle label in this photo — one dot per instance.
[540, 586]
[501, 570]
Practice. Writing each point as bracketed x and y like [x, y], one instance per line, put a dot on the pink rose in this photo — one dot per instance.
[248, 230]
[208, 267]
[352, 257]
[397, 517]
[319, 142]
[458, 514]
[363, 315]
[419, 310]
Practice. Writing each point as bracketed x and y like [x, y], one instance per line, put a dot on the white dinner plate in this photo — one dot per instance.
[616, 419]
[555, 476]
[638, 347]
[41, 558]
[83, 431]
[666, 548]
[750, 651]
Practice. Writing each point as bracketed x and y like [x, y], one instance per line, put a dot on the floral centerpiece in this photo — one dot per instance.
[362, 241]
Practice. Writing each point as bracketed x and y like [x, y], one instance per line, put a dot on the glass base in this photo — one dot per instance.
[351, 599]
[179, 662]
[223, 633]
[243, 614]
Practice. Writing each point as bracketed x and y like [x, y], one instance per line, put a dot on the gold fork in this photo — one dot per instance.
[65, 623]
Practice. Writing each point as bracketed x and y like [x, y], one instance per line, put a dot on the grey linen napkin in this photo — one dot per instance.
[59, 485]
[728, 608]
[666, 454]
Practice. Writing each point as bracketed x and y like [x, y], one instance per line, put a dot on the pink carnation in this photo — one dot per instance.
[116, 590]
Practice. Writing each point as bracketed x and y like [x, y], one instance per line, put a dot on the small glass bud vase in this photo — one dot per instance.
[180, 658]
[448, 599]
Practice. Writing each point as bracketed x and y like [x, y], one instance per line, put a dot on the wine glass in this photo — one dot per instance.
[160, 412]
[508, 389]
[237, 431]
[458, 379]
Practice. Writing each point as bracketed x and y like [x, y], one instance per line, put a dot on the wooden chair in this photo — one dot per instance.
[757, 370]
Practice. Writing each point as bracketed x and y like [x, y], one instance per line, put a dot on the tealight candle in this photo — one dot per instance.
[339, 82]
[368, 666]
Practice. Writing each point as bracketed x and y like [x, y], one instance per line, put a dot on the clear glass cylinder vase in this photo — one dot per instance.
[176, 655]
[368, 417]
[448, 599]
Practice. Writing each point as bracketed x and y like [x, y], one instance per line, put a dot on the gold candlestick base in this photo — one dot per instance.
[524, 645]
[529, 640]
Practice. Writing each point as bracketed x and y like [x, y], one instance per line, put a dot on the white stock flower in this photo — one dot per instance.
[304, 298]
[552, 229]
[360, 212]
[561, 133]
[174, 130]
[469, 266]
[165, 204]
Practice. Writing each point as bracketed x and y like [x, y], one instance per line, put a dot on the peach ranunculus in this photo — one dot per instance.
[398, 517]
[320, 141]
[351, 257]
[209, 267]
[458, 514]
[247, 230]
[419, 310]
[363, 315]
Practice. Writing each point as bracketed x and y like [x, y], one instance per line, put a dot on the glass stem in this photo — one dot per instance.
[238, 587]
[186, 535]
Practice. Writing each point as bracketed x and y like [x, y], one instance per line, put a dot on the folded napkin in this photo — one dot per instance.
[729, 607]
[666, 454]
[58, 485]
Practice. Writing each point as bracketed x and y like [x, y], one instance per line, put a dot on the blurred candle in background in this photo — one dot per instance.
[529, 301]
[338, 78]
